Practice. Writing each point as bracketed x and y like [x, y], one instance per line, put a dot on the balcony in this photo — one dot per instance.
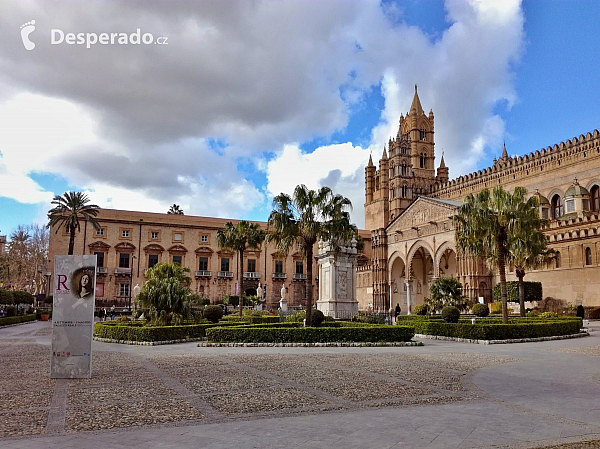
[120, 270]
[251, 275]
[279, 276]
[102, 270]
[203, 274]
[225, 274]
[299, 276]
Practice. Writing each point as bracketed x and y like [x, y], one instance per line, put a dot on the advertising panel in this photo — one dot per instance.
[73, 316]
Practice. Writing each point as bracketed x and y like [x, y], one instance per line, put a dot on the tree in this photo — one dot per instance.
[26, 258]
[484, 224]
[527, 247]
[237, 238]
[69, 210]
[446, 292]
[166, 295]
[18, 251]
[175, 210]
[305, 218]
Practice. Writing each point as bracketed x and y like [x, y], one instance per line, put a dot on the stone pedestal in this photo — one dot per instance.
[337, 280]
[283, 305]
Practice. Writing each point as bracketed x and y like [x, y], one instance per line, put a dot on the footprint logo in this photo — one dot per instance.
[26, 30]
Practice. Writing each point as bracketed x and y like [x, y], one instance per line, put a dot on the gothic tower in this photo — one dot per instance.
[406, 173]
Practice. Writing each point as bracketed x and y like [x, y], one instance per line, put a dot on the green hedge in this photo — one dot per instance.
[17, 319]
[251, 319]
[533, 291]
[247, 334]
[498, 331]
[132, 331]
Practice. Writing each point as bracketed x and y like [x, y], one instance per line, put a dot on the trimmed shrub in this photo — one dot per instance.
[450, 314]
[368, 318]
[213, 313]
[531, 314]
[254, 334]
[6, 296]
[316, 317]
[478, 331]
[49, 299]
[547, 315]
[251, 319]
[137, 331]
[17, 319]
[21, 297]
[533, 291]
[421, 309]
[496, 307]
[480, 310]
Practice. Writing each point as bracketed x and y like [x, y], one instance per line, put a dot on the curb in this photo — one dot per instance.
[146, 343]
[309, 345]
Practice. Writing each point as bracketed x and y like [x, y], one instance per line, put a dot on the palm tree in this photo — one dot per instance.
[175, 210]
[69, 210]
[304, 219]
[527, 247]
[484, 225]
[237, 238]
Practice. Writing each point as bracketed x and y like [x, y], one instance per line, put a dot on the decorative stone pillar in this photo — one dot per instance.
[337, 280]
[408, 311]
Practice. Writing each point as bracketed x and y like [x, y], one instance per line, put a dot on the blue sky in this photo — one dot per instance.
[250, 101]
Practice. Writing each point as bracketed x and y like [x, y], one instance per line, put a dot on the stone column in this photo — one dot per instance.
[408, 298]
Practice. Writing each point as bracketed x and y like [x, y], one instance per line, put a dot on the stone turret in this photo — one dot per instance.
[369, 181]
[442, 172]
[577, 198]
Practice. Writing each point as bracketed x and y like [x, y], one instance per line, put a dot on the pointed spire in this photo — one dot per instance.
[384, 156]
[504, 152]
[416, 104]
[442, 164]
[370, 164]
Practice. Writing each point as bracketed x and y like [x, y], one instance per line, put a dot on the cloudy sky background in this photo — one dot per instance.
[249, 99]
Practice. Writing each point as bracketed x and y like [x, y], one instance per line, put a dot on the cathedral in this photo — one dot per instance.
[409, 207]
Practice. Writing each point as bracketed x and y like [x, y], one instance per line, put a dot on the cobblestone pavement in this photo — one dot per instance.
[183, 388]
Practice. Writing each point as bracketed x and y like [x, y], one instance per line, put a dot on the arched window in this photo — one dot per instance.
[595, 198]
[404, 191]
[422, 134]
[588, 256]
[557, 207]
[557, 260]
[404, 169]
[403, 150]
[422, 160]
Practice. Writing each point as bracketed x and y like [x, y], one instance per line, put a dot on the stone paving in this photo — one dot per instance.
[183, 388]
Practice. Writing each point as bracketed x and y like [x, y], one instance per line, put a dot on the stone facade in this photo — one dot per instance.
[130, 242]
[409, 210]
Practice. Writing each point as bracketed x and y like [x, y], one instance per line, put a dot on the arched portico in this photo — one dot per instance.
[397, 277]
[420, 274]
[446, 261]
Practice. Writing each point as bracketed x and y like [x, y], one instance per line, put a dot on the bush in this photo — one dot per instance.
[137, 331]
[11, 311]
[531, 314]
[547, 315]
[368, 318]
[533, 291]
[213, 313]
[496, 307]
[450, 314]
[250, 319]
[232, 300]
[483, 331]
[316, 319]
[421, 309]
[17, 319]
[48, 299]
[362, 333]
[6, 296]
[480, 310]
[21, 297]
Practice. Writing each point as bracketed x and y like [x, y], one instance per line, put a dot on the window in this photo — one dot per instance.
[557, 207]
[124, 290]
[178, 259]
[99, 259]
[100, 232]
[251, 265]
[152, 260]
[279, 266]
[123, 260]
[404, 191]
[404, 169]
[422, 160]
[422, 135]
[588, 256]
[403, 150]
[299, 267]
[204, 239]
[203, 263]
[154, 235]
[225, 264]
[595, 197]
[557, 260]
[570, 206]
[125, 233]
[178, 237]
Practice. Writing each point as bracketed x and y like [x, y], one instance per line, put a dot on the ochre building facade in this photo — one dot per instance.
[130, 242]
[409, 208]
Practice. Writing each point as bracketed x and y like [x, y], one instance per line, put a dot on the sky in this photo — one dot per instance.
[218, 106]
